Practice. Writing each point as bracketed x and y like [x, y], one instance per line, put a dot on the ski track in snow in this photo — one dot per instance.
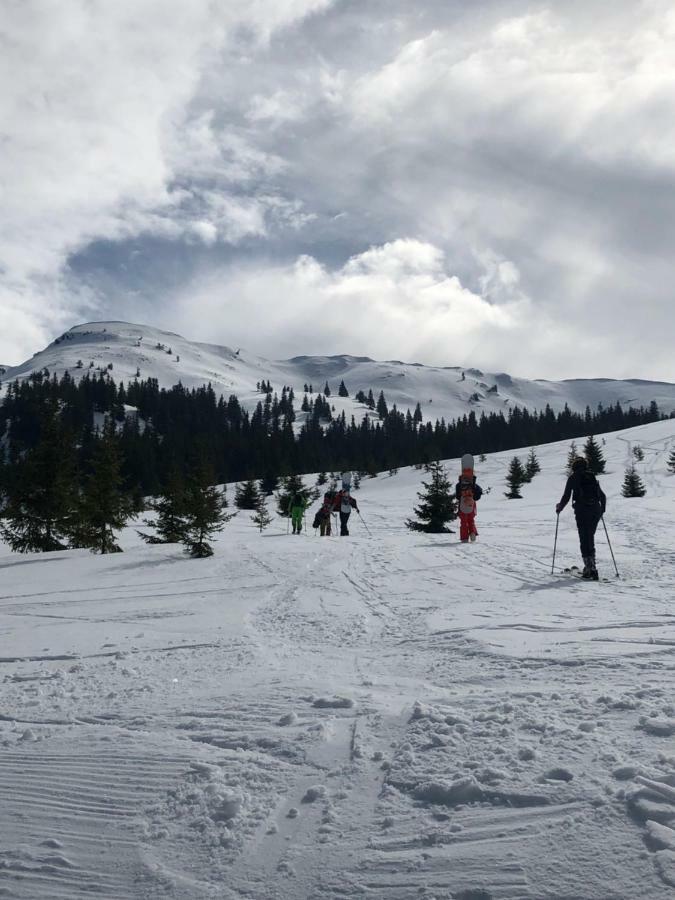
[392, 717]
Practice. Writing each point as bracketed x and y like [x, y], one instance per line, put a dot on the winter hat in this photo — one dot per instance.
[579, 464]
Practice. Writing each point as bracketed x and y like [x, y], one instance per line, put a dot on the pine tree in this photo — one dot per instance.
[438, 506]
[261, 518]
[40, 498]
[170, 508]
[633, 485]
[671, 462]
[103, 507]
[594, 457]
[515, 479]
[269, 483]
[205, 514]
[293, 486]
[571, 456]
[382, 408]
[247, 495]
[321, 478]
[482, 458]
[326, 390]
[532, 466]
[342, 390]
[638, 453]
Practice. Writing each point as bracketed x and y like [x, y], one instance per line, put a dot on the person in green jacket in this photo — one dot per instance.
[297, 506]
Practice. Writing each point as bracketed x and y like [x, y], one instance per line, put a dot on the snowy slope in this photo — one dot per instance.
[442, 392]
[389, 716]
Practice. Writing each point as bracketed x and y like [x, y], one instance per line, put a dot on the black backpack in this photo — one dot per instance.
[588, 490]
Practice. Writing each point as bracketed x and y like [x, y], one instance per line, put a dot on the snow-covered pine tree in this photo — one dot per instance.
[247, 495]
[633, 486]
[638, 453]
[438, 505]
[40, 497]
[515, 479]
[532, 466]
[170, 508]
[261, 518]
[205, 514]
[103, 507]
[594, 457]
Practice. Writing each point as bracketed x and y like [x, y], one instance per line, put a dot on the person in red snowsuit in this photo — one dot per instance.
[468, 493]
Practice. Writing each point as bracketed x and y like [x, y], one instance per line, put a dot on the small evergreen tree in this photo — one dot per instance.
[326, 390]
[382, 408]
[321, 478]
[671, 462]
[633, 485]
[293, 486]
[247, 495]
[638, 453]
[532, 466]
[103, 507]
[269, 483]
[205, 514]
[342, 390]
[594, 457]
[170, 508]
[571, 456]
[40, 499]
[438, 505]
[261, 517]
[515, 479]
[482, 457]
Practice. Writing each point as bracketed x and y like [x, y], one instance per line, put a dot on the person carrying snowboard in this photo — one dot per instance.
[468, 492]
[589, 503]
[297, 506]
[344, 503]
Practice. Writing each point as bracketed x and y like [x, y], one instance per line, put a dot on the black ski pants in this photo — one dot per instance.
[344, 519]
[587, 523]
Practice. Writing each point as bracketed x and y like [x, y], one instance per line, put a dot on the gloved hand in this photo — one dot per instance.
[558, 509]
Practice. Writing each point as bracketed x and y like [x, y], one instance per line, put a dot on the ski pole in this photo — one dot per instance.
[364, 523]
[555, 542]
[610, 546]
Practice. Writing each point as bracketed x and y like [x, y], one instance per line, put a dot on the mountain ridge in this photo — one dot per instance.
[126, 350]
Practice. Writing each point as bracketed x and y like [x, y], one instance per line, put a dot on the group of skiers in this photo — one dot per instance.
[340, 502]
[588, 500]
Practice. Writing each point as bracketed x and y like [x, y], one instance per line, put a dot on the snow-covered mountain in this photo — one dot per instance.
[391, 715]
[125, 349]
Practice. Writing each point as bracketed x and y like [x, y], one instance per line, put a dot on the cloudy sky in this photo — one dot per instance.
[485, 183]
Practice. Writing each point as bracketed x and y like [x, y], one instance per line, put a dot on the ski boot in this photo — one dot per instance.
[594, 570]
[588, 568]
[472, 537]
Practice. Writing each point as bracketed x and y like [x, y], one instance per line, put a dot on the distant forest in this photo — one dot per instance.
[160, 430]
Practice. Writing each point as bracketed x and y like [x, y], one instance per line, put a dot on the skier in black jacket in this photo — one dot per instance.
[589, 502]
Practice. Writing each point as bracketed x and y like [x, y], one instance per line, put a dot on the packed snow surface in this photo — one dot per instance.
[390, 715]
[126, 351]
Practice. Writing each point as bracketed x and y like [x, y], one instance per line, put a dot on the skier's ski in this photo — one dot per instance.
[467, 465]
[576, 572]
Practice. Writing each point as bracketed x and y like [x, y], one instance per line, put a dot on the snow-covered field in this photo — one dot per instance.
[387, 716]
